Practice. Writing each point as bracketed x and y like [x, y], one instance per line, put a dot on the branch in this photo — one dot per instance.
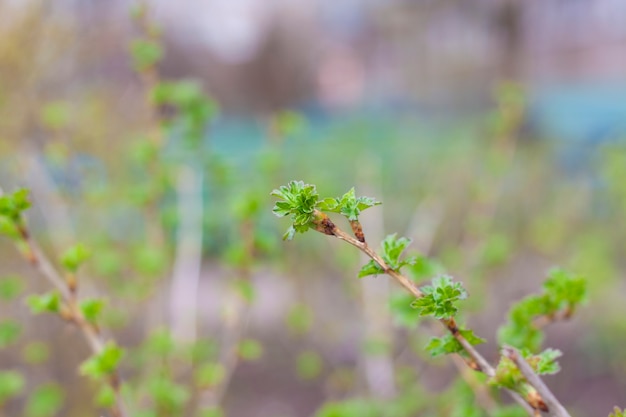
[35, 256]
[478, 362]
[555, 408]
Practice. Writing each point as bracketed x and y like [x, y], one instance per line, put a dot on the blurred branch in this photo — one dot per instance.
[188, 260]
[72, 313]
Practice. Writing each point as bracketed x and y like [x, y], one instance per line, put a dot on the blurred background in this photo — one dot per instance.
[491, 130]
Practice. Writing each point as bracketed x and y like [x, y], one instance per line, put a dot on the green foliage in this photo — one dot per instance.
[92, 309]
[105, 396]
[509, 376]
[210, 412]
[195, 110]
[448, 344]
[348, 205]
[9, 332]
[45, 401]
[45, 303]
[145, 54]
[167, 394]
[74, 257]
[300, 202]
[13, 205]
[349, 408]
[563, 293]
[209, 375]
[402, 310]
[103, 363]
[55, 115]
[440, 298]
[10, 287]
[11, 384]
[149, 260]
[299, 319]
[393, 247]
[308, 365]
[36, 353]
[250, 349]
[617, 413]
[289, 123]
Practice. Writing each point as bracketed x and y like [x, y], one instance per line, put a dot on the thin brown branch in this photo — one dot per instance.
[35, 256]
[479, 362]
[555, 408]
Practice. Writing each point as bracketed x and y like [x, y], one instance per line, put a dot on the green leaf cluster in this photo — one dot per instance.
[103, 363]
[562, 293]
[45, 303]
[74, 257]
[194, 108]
[299, 201]
[448, 343]
[11, 208]
[349, 205]
[440, 298]
[617, 412]
[509, 376]
[392, 250]
[92, 309]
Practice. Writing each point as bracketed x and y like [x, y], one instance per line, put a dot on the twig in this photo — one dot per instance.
[478, 362]
[35, 256]
[554, 406]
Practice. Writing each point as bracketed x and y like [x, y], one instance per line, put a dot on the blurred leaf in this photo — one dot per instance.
[55, 115]
[10, 287]
[36, 353]
[210, 412]
[106, 396]
[167, 394]
[45, 401]
[308, 364]
[250, 349]
[209, 375]
[299, 319]
[11, 384]
[103, 363]
[92, 309]
[74, 257]
[149, 260]
[145, 53]
[44, 303]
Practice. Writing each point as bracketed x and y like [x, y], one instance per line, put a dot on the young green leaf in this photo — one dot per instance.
[348, 205]
[92, 309]
[617, 413]
[103, 363]
[9, 332]
[440, 298]
[299, 201]
[74, 257]
[448, 344]
[12, 205]
[44, 303]
[370, 268]
[209, 375]
[45, 401]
